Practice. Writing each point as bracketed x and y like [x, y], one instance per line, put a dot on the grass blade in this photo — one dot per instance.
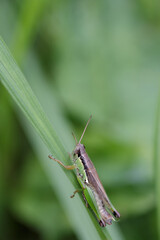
[19, 89]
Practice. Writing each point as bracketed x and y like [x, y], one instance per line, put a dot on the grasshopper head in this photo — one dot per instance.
[79, 149]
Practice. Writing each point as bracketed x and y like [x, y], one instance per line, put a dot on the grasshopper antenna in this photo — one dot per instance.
[74, 138]
[85, 129]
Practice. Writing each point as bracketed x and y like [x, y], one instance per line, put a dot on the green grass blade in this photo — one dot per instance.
[14, 81]
[46, 94]
[156, 157]
[19, 89]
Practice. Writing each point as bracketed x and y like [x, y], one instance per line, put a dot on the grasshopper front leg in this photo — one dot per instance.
[77, 191]
[68, 167]
[80, 190]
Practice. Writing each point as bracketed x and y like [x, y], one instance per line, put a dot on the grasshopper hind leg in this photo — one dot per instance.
[116, 214]
[102, 223]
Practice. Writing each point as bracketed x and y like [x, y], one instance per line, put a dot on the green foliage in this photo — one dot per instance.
[80, 58]
[157, 164]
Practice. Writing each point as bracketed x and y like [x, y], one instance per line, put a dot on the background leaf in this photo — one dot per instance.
[80, 58]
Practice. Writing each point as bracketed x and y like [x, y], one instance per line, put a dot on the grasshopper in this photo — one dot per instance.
[91, 186]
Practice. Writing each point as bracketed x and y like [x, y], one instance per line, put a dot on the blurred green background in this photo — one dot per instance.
[81, 58]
